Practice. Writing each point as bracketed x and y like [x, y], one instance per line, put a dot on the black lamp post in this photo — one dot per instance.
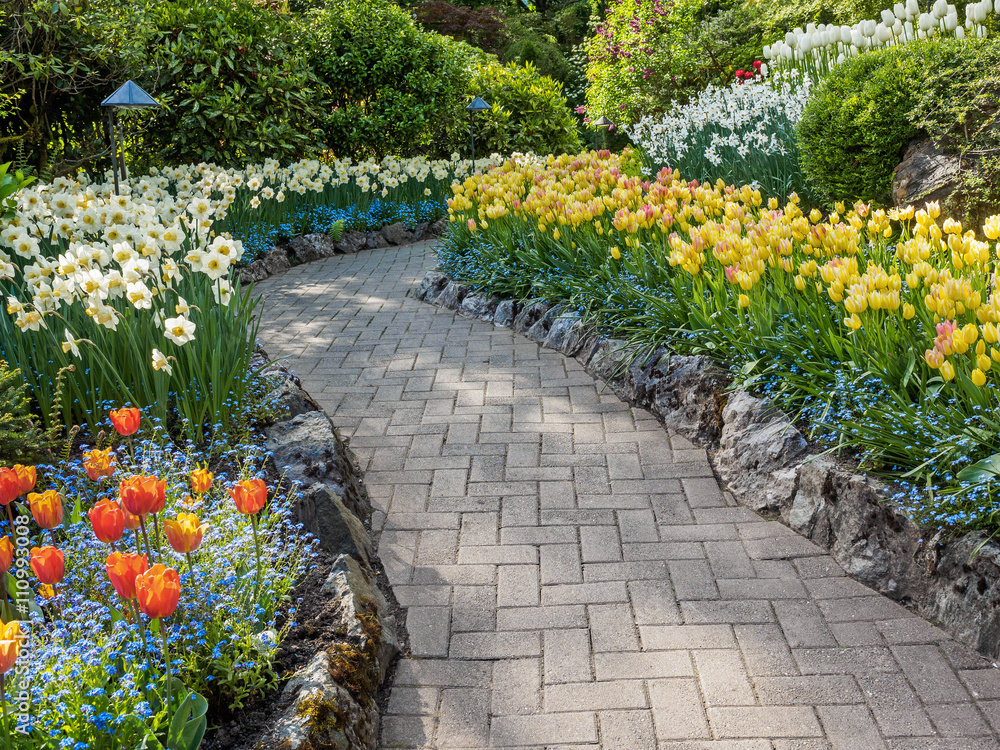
[128, 96]
[477, 105]
[603, 124]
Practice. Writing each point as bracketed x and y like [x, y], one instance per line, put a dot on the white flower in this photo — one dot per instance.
[180, 330]
[139, 295]
[71, 344]
[223, 292]
[182, 307]
[215, 265]
[160, 362]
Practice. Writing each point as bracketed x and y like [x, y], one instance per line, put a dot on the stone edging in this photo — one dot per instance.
[333, 700]
[309, 247]
[765, 462]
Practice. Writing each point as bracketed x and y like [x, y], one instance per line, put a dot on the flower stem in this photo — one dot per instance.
[166, 664]
[256, 546]
[190, 564]
[156, 530]
[3, 699]
[10, 515]
[145, 537]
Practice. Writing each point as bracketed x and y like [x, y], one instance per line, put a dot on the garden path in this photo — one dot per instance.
[573, 574]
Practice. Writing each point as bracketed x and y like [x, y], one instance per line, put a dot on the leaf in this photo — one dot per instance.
[187, 728]
[982, 471]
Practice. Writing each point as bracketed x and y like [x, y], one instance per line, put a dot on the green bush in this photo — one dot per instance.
[392, 86]
[235, 83]
[856, 126]
[529, 111]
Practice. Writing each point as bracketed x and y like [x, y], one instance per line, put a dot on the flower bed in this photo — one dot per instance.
[876, 328]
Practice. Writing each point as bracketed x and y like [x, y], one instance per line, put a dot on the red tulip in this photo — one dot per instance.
[126, 421]
[10, 486]
[108, 521]
[142, 495]
[249, 496]
[123, 569]
[49, 564]
[158, 591]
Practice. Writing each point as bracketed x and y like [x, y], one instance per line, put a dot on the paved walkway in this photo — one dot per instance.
[573, 575]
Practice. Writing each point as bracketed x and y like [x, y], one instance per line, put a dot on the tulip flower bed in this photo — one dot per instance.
[147, 591]
[879, 329]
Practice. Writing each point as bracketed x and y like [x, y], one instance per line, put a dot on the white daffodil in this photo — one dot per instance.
[139, 295]
[161, 363]
[71, 344]
[180, 330]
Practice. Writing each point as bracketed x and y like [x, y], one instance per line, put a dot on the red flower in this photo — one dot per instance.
[108, 521]
[123, 569]
[158, 591]
[142, 495]
[126, 421]
[10, 486]
[249, 496]
[48, 563]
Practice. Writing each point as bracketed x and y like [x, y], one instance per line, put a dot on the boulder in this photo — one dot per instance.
[560, 329]
[438, 228]
[505, 314]
[322, 513]
[360, 600]
[398, 234]
[965, 598]
[431, 286]
[321, 713]
[288, 397]
[609, 360]
[480, 306]
[574, 339]
[759, 451]
[310, 247]
[540, 330]
[351, 241]
[375, 240]
[529, 315]
[253, 272]
[420, 230]
[276, 261]
[688, 393]
[452, 296]
[926, 174]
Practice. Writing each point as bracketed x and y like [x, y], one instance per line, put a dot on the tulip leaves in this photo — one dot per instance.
[187, 728]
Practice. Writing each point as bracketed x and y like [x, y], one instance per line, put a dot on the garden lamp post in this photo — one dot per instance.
[603, 124]
[128, 96]
[477, 105]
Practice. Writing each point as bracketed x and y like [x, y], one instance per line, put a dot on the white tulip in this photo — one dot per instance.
[913, 7]
[805, 43]
[960, 33]
[767, 51]
[968, 20]
[882, 33]
[791, 39]
[897, 29]
[988, 4]
[857, 39]
[899, 10]
[951, 22]
[787, 52]
[981, 32]
[810, 28]
[845, 34]
[870, 28]
[908, 31]
[940, 9]
[840, 58]
[926, 21]
[763, 70]
[888, 17]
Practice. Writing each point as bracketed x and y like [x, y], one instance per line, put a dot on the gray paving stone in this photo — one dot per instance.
[573, 575]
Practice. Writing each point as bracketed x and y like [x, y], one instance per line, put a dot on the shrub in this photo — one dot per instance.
[391, 86]
[480, 27]
[235, 84]
[857, 124]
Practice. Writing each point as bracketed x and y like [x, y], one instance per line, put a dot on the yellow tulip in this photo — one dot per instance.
[978, 378]
[947, 370]
[908, 311]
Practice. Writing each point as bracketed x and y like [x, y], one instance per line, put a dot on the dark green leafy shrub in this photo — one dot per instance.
[20, 437]
[856, 126]
[235, 83]
[392, 87]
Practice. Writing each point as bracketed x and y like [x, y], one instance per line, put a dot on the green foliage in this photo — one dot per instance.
[529, 111]
[391, 86]
[957, 101]
[856, 126]
[20, 438]
[532, 40]
[235, 84]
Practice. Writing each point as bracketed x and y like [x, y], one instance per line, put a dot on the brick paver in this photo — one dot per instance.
[574, 577]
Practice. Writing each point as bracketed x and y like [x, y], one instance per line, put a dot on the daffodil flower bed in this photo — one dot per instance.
[147, 592]
[879, 328]
[133, 298]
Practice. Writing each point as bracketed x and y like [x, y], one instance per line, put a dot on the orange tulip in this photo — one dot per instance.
[108, 521]
[185, 534]
[123, 569]
[6, 554]
[49, 564]
[201, 481]
[142, 495]
[132, 521]
[26, 475]
[10, 486]
[249, 496]
[126, 421]
[10, 644]
[99, 464]
[157, 591]
[47, 508]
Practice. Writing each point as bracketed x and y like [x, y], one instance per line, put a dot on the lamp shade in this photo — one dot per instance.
[130, 96]
[478, 105]
[603, 122]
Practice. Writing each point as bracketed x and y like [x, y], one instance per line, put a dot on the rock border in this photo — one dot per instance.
[765, 462]
[309, 247]
[334, 700]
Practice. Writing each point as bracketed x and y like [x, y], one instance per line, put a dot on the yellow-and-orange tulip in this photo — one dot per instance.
[141, 495]
[10, 486]
[46, 508]
[10, 644]
[185, 533]
[6, 554]
[201, 481]
[99, 464]
[26, 476]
